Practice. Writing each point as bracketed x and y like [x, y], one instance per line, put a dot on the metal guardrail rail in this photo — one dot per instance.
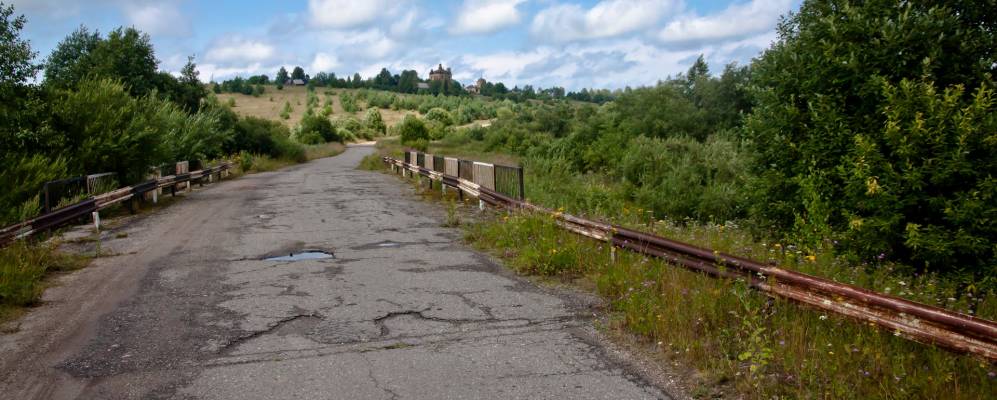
[915, 321]
[65, 215]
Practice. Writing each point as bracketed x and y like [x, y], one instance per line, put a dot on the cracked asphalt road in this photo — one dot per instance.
[190, 310]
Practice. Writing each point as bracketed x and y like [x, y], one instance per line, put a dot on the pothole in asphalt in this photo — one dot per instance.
[300, 256]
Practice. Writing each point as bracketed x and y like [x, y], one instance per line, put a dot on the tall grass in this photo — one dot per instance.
[739, 340]
[23, 267]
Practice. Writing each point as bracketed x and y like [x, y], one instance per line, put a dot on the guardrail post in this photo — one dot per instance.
[159, 190]
[522, 186]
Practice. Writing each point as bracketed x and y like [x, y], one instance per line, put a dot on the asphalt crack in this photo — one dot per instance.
[270, 328]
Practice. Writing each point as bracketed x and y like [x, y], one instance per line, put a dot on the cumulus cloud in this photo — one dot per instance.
[324, 62]
[735, 22]
[160, 18]
[341, 14]
[486, 16]
[608, 18]
[240, 50]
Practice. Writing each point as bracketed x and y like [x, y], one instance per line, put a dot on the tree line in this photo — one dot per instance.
[104, 106]
[869, 128]
[406, 82]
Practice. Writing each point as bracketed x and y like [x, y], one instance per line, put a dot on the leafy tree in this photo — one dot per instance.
[298, 73]
[837, 85]
[192, 91]
[384, 80]
[408, 81]
[281, 77]
[15, 69]
[127, 55]
[70, 62]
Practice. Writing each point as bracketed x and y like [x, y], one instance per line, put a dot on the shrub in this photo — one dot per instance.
[840, 119]
[314, 125]
[439, 115]
[374, 122]
[412, 129]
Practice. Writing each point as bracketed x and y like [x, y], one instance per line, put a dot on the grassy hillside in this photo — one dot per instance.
[270, 104]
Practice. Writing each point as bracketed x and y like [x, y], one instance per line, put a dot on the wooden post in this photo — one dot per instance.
[522, 186]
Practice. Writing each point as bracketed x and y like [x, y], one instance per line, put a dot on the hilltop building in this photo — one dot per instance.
[440, 74]
[476, 87]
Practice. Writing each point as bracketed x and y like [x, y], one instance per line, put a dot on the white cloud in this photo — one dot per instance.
[217, 73]
[608, 18]
[486, 16]
[341, 14]
[162, 18]
[505, 64]
[239, 50]
[324, 62]
[735, 22]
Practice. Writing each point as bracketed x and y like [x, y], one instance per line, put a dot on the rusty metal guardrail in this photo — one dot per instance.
[90, 206]
[915, 321]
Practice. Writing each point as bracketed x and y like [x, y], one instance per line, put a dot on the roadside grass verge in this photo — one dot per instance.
[23, 269]
[738, 340]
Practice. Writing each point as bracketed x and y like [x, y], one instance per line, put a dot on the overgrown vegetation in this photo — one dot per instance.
[105, 107]
[829, 155]
[22, 270]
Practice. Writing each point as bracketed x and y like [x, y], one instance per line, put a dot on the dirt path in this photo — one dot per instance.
[403, 310]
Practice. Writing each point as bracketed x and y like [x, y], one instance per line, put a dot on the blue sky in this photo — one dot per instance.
[575, 44]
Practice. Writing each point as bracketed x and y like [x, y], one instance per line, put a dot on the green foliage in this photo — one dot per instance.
[315, 126]
[22, 268]
[374, 122]
[680, 177]
[281, 78]
[23, 176]
[109, 130]
[923, 187]
[349, 102]
[853, 96]
[412, 129]
[439, 115]
[263, 136]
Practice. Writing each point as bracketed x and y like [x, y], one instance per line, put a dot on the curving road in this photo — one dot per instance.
[188, 308]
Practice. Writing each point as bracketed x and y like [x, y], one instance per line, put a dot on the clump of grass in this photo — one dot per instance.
[453, 217]
[23, 268]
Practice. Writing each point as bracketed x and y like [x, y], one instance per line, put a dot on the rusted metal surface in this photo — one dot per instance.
[912, 320]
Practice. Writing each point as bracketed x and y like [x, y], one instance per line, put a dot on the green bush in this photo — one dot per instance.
[871, 125]
[313, 126]
[23, 176]
[924, 187]
[263, 136]
[374, 122]
[110, 131]
[439, 115]
[412, 129]
[679, 178]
